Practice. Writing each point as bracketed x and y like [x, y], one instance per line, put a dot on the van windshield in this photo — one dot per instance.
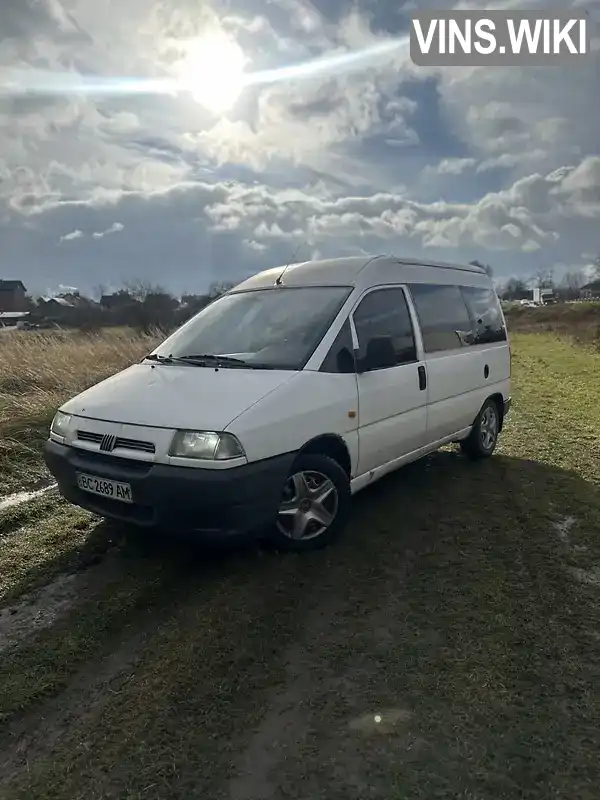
[275, 328]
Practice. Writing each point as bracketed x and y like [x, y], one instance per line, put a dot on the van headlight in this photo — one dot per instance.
[60, 424]
[207, 445]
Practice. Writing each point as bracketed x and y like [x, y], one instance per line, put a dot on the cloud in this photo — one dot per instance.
[498, 164]
[534, 212]
[116, 227]
[69, 237]
[452, 166]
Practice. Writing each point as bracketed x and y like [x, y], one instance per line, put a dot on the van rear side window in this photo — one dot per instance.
[444, 317]
[487, 317]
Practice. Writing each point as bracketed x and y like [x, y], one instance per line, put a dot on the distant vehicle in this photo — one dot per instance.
[288, 394]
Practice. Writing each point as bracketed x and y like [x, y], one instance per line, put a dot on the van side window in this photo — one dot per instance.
[340, 358]
[444, 317]
[486, 314]
[383, 318]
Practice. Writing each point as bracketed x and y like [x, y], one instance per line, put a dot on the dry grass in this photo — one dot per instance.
[38, 372]
[578, 321]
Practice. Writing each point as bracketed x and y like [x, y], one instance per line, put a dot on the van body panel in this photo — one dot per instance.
[309, 405]
[392, 417]
[455, 381]
[176, 396]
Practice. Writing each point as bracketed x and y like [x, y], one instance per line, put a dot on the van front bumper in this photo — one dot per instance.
[212, 503]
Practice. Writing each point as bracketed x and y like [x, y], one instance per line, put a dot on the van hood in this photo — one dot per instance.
[176, 396]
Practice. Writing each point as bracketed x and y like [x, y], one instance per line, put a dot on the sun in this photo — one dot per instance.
[213, 72]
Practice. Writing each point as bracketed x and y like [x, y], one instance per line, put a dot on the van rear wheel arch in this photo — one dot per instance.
[499, 400]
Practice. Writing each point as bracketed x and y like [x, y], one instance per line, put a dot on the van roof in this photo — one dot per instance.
[342, 271]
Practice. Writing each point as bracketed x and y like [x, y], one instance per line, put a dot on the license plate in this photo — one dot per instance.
[105, 487]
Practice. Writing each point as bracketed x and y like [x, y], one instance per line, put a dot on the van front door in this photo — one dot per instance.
[391, 381]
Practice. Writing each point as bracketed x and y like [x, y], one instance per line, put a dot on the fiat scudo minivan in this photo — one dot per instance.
[273, 405]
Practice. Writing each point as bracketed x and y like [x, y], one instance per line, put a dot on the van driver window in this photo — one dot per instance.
[383, 317]
[443, 315]
[340, 358]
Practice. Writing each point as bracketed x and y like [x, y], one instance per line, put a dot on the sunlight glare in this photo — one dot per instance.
[213, 72]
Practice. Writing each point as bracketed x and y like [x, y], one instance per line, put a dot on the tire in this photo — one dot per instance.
[307, 520]
[483, 438]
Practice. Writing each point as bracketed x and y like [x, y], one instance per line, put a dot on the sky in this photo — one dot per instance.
[187, 142]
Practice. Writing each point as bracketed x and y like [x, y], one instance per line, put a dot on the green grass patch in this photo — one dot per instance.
[460, 609]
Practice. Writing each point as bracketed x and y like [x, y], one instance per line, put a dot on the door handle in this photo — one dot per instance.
[422, 378]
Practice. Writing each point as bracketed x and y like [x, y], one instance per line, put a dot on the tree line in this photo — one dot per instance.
[137, 304]
[569, 287]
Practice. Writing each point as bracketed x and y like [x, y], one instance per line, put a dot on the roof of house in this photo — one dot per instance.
[594, 285]
[60, 301]
[10, 286]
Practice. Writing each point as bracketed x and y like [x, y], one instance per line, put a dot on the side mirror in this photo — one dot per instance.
[380, 354]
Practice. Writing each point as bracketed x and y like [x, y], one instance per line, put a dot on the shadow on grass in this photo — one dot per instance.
[449, 594]
[445, 492]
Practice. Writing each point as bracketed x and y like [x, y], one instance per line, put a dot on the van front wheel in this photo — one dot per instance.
[483, 438]
[315, 504]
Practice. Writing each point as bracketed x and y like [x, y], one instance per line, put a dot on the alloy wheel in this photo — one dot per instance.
[309, 506]
[488, 427]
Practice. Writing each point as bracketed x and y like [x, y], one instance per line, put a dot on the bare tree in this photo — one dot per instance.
[514, 289]
[573, 280]
[543, 278]
[99, 291]
[218, 288]
[139, 289]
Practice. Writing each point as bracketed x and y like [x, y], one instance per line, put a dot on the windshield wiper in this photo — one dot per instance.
[205, 358]
[235, 362]
[193, 359]
[209, 357]
[156, 357]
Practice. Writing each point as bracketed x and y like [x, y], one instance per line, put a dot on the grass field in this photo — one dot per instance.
[462, 610]
[579, 322]
[38, 372]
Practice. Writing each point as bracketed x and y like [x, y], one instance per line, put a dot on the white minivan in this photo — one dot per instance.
[267, 410]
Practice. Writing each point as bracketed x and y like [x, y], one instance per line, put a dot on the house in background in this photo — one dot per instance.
[591, 291]
[13, 320]
[13, 296]
[55, 309]
[117, 301]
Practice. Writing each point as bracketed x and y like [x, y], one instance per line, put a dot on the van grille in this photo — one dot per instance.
[118, 442]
